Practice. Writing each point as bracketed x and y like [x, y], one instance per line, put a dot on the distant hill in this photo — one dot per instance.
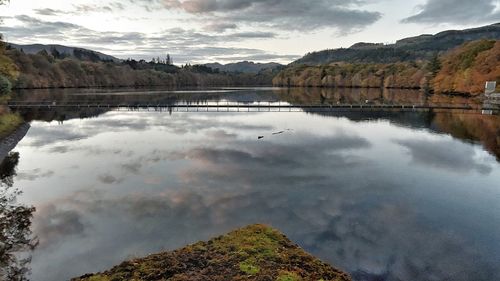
[462, 70]
[243, 67]
[414, 48]
[80, 53]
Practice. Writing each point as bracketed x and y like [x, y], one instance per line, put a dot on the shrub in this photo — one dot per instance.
[5, 85]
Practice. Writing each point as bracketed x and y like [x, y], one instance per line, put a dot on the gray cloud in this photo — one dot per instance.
[258, 57]
[450, 155]
[307, 183]
[220, 27]
[42, 136]
[320, 202]
[89, 8]
[133, 168]
[184, 45]
[221, 135]
[252, 35]
[109, 179]
[59, 149]
[455, 11]
[82, 9]
[34, 175]
[49, 12]
[282, 14]
[56, 223]
[33, 29]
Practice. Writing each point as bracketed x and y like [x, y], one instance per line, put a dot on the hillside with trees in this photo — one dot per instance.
[422, 47]
[8, 70]
[395, 75]
[462, 70]
[61, 51]
[465, 69]
[83, 69]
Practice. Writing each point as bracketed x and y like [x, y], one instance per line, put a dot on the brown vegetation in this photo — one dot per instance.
[9, 122]
[8, 70]
[463, 70]
[467, 68]
[252, 253]
[44, 70]
[395, 75]
[473, 127]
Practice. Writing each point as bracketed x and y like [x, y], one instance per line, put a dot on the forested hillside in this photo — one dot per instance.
[63, 51]
[461, 70]
[422, 47]
[8, 70]
[465, 69]
[49, 70]
[396, 75]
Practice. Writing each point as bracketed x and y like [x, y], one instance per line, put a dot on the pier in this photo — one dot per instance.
[241, 106]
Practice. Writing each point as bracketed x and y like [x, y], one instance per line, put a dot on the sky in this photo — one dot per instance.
[201, 31]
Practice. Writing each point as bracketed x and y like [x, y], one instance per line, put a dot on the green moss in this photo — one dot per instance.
[9, 122]
[261, 242]
[288, 276]
[249, 267]
[98, 278]
[255, 252]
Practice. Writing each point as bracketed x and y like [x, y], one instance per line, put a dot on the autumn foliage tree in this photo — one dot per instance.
[467, 68]
[461, 70]
[358, 75]
[8, 70]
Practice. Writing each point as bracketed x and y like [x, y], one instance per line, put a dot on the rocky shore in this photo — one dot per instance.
[10, 141]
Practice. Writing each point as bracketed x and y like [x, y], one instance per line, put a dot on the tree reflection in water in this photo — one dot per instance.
[16, 241]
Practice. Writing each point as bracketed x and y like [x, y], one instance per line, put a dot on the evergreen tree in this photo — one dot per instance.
[55, 53]
[434, 65]
[323, 73]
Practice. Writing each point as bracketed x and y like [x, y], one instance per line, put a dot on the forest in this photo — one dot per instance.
[54, 70]
[8, 70]
[423, 47]
[462, 70]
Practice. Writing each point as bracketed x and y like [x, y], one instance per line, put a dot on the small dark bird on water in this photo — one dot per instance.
[261, 137]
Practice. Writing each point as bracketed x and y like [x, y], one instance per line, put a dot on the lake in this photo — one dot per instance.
[383, 195]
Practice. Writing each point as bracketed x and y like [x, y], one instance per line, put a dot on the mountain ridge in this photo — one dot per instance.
[63, 50]
[89, 54]
[421, 47]
[244, 66]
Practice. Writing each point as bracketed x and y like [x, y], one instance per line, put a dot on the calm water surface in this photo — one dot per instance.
[382, 195]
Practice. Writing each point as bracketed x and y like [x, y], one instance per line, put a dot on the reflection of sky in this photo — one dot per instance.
[381, 201]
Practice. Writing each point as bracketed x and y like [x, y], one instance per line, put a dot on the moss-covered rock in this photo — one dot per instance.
[255, 252]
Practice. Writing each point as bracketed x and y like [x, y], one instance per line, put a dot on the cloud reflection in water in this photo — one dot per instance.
[159, 182]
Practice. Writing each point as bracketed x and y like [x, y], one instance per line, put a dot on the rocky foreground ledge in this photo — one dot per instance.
[255, 252]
